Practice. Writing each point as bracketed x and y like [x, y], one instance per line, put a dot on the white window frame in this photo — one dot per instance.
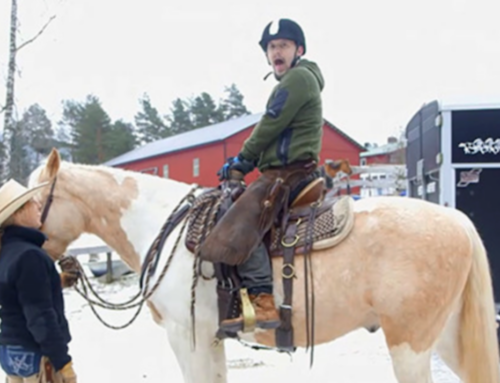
[196, 167]
[166, 171]
[152, 170]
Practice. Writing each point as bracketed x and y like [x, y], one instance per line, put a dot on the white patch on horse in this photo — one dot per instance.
[148, 212]
[409, 366]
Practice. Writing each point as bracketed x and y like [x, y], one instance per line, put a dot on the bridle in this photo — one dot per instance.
[48, 203]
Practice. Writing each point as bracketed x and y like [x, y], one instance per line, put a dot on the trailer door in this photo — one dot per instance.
[478, 196]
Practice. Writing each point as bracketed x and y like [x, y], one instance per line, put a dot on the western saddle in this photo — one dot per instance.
[313, 192]
[311, 222]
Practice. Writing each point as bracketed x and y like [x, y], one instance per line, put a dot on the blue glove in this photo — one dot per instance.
[235, 163]
[224, 172]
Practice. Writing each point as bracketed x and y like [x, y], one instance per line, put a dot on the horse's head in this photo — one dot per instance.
[332, 168]
[62, 214]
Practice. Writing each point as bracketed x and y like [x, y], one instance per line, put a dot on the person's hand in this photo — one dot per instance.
[69, 263]
[237, 163]
[70, 271]
[69, 279]
[67, 373]
[224, 171]
[242, 165]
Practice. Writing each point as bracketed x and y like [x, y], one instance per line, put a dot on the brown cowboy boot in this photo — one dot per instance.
[266, 315]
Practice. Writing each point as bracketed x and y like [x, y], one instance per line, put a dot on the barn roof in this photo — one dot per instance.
[383, 149]
[348, 138]
[191, 139]
[198, 137]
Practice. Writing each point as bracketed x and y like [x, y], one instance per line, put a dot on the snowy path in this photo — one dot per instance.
[140, 353]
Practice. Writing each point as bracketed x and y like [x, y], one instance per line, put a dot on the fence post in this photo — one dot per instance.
[109, 268]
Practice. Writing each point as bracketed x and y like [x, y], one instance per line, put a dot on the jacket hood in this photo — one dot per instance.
[314, 68]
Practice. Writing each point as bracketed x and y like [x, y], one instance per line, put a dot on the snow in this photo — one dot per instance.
[141, 353]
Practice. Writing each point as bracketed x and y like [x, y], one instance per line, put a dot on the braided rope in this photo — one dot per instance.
[209, 221]
[100, 302]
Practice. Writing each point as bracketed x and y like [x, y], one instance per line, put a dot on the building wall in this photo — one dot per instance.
[393, 158]
[182, 165]
[396, 157]
[211, 157]
[336, 147]
[378, 159]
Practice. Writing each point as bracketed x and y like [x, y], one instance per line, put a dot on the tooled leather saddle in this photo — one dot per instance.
[308, 223]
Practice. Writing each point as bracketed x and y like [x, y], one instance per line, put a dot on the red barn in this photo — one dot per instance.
[197, 155]
[393, 152]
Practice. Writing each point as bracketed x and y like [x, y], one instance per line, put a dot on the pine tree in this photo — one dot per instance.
[120, 139]
[90, 127]
[232, 106]
[150, 125]
[38, 127]
[179, 118]
[204, 111]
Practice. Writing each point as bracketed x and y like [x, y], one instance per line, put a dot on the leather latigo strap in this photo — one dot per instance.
[309, 283]
[284, 333]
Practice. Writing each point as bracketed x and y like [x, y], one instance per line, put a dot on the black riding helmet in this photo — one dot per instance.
[283, 29]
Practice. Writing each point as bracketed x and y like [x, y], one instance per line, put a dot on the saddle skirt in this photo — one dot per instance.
[332, 222]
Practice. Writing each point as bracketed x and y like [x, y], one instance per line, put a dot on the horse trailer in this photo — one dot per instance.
[453, 159]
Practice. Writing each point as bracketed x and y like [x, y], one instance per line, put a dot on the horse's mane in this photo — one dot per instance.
[66, 166]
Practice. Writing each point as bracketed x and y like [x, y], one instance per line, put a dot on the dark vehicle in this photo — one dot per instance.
[453, 159]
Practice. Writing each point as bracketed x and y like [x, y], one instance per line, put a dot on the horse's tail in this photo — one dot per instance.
[479, 355]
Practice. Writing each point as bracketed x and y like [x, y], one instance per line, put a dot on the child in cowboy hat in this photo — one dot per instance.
[34, 332]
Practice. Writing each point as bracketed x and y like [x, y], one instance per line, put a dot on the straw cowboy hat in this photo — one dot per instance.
[13, 195]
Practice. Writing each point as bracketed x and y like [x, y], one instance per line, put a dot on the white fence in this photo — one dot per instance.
[374, 180]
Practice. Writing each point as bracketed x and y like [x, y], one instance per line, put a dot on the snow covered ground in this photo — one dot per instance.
[140, 352]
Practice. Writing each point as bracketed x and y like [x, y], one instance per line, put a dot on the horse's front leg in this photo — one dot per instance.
[203, 362]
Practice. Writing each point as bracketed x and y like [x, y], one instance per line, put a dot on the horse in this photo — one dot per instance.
[417, 270]
[333, 167]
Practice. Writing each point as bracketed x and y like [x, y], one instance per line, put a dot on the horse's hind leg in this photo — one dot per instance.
[448, 344]
[410, 366]
[410, 354]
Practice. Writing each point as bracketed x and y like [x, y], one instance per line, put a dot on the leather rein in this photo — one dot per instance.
[48, 202]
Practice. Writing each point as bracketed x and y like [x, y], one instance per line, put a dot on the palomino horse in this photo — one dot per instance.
[416, 269]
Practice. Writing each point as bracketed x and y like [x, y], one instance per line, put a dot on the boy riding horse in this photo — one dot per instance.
[285, 147]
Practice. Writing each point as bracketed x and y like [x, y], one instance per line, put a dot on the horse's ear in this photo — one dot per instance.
[53, 163]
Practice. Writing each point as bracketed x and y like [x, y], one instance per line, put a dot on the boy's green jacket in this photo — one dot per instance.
[291, 128]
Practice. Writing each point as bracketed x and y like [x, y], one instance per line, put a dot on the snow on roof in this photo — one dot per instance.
[383, 149]
[193, 138]
[198, 137]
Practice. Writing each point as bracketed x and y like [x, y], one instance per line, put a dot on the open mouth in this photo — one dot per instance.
[278, 62]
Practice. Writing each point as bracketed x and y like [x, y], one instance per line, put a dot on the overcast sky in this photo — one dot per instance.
[381, 59]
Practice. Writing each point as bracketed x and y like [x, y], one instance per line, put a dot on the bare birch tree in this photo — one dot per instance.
[8, 109]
